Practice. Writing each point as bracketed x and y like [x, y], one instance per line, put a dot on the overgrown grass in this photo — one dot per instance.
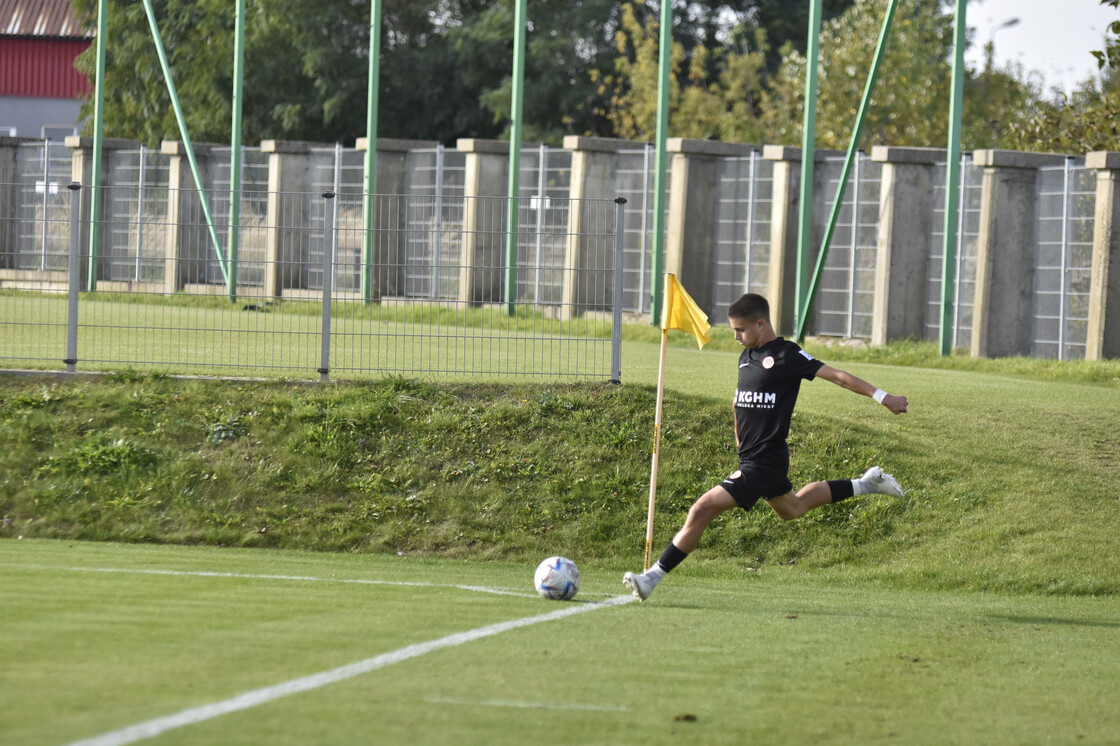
[1010, 480]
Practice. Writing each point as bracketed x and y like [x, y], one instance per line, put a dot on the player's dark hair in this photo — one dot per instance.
[750, 307]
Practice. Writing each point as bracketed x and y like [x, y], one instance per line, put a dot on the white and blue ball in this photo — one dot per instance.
[557, 578]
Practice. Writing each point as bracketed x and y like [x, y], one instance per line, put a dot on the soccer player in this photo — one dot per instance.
[770, 372]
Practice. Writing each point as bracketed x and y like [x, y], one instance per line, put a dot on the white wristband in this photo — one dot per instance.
[879, 395]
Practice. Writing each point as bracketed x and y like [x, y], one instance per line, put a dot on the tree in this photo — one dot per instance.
[445, 68]
[910, 104]
[713, 92]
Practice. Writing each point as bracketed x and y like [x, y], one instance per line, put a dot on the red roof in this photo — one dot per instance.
[43, 18]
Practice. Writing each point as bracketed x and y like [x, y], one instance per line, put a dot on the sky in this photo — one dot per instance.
[1053, 37]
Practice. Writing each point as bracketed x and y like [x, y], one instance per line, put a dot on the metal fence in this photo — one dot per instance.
[965, 267]
[432, 243]
[1063, 260]
[742, 230]
[282, 318]
[845, 297]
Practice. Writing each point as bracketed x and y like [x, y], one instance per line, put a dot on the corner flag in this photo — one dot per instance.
[681, 312]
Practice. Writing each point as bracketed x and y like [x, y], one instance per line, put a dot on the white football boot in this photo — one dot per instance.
[878, 482]
[639, 584]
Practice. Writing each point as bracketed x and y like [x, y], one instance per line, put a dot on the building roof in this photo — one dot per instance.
[43, 18]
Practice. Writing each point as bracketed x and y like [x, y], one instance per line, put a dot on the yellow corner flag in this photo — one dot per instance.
[681, 312]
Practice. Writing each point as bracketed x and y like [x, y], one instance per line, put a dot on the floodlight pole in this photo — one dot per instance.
[808, 156]
[952, 180]
[853, 147]
[516, 112]
[664, 69]
[98, 135]
[372, 90]
[233, 238]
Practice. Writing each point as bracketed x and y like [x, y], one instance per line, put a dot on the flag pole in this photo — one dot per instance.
[668, 303]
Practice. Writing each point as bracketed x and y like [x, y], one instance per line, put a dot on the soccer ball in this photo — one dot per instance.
[557, 578]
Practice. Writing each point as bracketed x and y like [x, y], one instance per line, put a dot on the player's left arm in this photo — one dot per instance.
[896, 404]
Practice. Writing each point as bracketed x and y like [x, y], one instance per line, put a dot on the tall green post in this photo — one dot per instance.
[664, 70]
[367, 277]
[808, 156]
[853, 147]
[234, 235]
[516, 112]
[205, 203]
[952, 182]
[98, 136]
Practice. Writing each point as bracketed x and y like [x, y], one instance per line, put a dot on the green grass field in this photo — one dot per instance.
[168, 546]
[101, 637]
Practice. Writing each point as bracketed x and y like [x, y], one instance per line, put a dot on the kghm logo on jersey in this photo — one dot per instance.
[756, 399]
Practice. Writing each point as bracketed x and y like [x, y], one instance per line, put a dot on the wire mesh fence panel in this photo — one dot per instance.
[186, 325]
[434, 220]
[965, 254]
[133, 241]
[544, 188]
[251, 236]
[340, 171]
[477, 333]
[40, 236]
[634, 183]
[742, 230]
[845, 294]
[1063, 258]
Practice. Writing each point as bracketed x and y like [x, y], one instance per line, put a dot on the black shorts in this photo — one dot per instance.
[754, 481]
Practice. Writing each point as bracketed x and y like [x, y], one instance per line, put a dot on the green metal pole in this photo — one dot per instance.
[98, 135]
[186, 139]
[516, 111]
[664, 70]
[853, 147]
[372, 91]
[952, 182]
[808, 156]
[234, 237]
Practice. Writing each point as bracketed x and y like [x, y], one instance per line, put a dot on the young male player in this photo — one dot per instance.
[770, 372]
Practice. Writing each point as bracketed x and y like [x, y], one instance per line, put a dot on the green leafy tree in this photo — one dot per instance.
[445, 68]
[910, 104]
[712, 92]
[1086, 120]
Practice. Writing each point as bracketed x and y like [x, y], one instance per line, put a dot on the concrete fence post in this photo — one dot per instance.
[905, 226]
[188, 243]
[594, 168]
[486, 183]
[390, 209]
[1001, 322]
[288, 166]
[1103, 333]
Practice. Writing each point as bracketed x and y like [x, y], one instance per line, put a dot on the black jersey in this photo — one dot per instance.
[769, 381]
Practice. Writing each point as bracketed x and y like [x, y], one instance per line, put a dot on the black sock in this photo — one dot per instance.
[671, 557]
[841, 489]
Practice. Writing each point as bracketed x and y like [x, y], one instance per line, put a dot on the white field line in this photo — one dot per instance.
[194, 715]
[300, 578]
[524, 705]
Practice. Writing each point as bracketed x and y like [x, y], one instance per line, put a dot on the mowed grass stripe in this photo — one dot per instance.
[738, 651]
[157, 726]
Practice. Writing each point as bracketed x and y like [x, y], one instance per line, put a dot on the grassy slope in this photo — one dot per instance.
[1009, 478]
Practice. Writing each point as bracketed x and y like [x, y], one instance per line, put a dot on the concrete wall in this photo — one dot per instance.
[1001, 322]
